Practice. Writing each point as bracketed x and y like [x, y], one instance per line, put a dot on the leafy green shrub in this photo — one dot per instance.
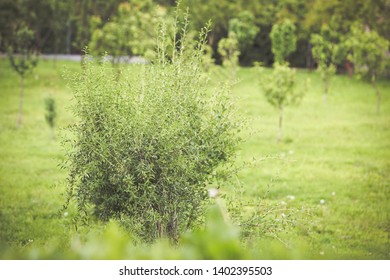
[145, 146]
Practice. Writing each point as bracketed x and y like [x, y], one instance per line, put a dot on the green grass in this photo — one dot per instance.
[341, 147]
[29, 173]
[338, 152]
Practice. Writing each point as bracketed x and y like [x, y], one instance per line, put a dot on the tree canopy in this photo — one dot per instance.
[130, 32]
[283, 39]
[369, 54]
[61, 26]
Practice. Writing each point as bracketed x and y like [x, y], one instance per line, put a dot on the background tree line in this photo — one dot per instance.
[62, 26]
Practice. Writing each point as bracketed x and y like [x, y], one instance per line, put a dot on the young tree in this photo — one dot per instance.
[129, 33]
[23, 59]
[146, 147]
[245, 29]
[327, 54]
[50, 115]
[280, 90]
[208, 62]
[369, 55]
[229, 51]
[242, 31]
[284, 41]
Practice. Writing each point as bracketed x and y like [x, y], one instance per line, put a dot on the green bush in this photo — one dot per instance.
[146, 146]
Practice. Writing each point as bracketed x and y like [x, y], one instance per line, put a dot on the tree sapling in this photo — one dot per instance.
[50, 115]
[23, 59]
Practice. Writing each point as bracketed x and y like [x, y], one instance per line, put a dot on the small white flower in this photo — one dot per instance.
[322, 201]
[291, 197]
[65, 214]
[333, 193]
[283, 215]
[283, 203]
[213, 192]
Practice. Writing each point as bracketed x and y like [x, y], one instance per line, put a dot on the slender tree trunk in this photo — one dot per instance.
[233, 73]
[325, 95]
[68, 36]
[280, 123]
[55, 51]
[309, 62]
[21, 101]
[51, 134]
[349, 68]
[378, 96]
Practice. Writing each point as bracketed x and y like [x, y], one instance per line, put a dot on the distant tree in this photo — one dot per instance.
[369, 55]
[283, 39]
[242, 31]
[280, 89]
[23, 58]
[8, 12]
[229, 50]
[219, 12]
[130, 32]
[207, 58]
[245, 29]
[50, 115]
[327, 54]
[341, 14]
[60, 14]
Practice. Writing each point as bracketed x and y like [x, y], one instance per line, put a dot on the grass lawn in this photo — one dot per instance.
[333, 163]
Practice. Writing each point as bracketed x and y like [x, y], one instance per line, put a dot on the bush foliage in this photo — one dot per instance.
[146, 146]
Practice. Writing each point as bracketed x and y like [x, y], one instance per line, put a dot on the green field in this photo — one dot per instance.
[337, 153]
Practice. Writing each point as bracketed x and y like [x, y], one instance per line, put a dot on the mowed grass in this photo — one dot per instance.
[31, 182]
[337, 153]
